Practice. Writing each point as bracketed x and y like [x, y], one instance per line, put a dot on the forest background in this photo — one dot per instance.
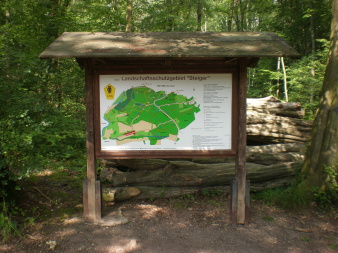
[42, 101]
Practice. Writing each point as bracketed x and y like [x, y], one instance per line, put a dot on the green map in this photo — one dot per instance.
[141, 114]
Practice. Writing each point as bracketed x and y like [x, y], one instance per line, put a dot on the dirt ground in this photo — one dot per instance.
[169, 226]
[191, 224]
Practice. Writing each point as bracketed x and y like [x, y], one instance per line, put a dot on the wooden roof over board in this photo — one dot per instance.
[168, 44]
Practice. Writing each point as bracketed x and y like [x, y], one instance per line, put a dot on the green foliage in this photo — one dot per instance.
[305, 79]
[268, 218]
[288, 198]
[7, 180]
[300, 22]
[211, 192]
[306, 239]
[270, 196]
[8, 227]
[264, 80]
[326, 197]
[293, 197]
[183, 202]
[41, 102]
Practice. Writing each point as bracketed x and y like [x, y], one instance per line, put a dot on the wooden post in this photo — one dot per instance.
[91, 187]
[233, 201]
[242, 209]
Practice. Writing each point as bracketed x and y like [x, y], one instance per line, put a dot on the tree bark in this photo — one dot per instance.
[189, 174]
[271, 105]
[265, 154]
[151, 192]
[129, 15]
[199, 16]
[285, 81]
[231, 15]
[323, 145]
[267, 129]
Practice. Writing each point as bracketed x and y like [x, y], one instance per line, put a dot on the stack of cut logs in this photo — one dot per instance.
[276, 135]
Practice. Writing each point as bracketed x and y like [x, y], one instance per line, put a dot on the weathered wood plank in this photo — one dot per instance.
[241, 154]
[92, 202]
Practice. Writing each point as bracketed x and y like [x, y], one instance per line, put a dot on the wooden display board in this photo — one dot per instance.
[165, 115]
[187, 122]
[212, 91]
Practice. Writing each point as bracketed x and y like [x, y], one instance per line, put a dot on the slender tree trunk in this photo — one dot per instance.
[199, 15]
[247, 16]
[170, 16]
[129, 15]
[278, 70]
[231, 16]
[323, 145]
[285, 81]
[313, 51]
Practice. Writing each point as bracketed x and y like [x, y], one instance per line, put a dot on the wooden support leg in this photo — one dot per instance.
[241, 197]
[233, 201]
[91, 187]
[247, 202]
[242, 209]
[92, 200]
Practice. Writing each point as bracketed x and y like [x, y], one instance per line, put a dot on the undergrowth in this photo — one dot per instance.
[327, 196]
[294, 197]
[8, 227]
[287, 198]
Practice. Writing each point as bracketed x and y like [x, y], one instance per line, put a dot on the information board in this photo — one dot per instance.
[166, 112]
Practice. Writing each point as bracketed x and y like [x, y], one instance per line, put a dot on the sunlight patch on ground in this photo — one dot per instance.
[327, 227]
[127, 245]
[149, 211]
[66, 232]
[73, 220]
[4, 248]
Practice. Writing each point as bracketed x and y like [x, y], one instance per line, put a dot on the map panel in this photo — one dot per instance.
[165, 112]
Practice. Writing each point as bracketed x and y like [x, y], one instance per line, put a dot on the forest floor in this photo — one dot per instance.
[196, 224]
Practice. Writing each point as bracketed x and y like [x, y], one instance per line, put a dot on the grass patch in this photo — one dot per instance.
[268, 218]
[288, 198]
[53, 194]
[214, 202]
[306, 239]
[8, 227]
[183, 202]
[333, 246]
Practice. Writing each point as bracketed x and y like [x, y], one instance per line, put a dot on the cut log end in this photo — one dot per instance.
[119, 194]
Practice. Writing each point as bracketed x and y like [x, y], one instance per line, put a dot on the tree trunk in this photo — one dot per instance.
[271, 121]
[285, 81]
[170, 16]
[323, 145]
[129, 15]
[150, 192]
[231, 15]
[271, 105]
[265, 154]
[199, 15]
[267, 129]
[278, 71]
[189, 174]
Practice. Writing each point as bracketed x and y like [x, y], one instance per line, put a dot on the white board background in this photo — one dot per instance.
[211, 129]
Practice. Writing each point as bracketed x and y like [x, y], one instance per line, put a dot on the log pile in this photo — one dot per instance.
[276, 129]
[271, 121]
